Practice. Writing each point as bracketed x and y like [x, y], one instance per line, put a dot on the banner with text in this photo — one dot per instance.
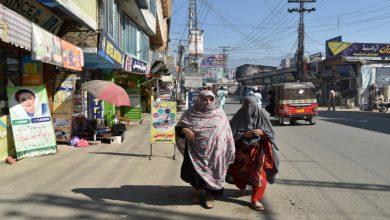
[32, 125]
[163, 122]
[63, 106]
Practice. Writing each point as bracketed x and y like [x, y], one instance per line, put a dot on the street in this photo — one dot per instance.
[336, 169]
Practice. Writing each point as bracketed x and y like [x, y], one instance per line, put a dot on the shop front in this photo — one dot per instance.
[31, 62]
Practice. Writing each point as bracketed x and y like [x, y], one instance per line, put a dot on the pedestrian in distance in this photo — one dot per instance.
[221, 95]
[257, 156]
[205, 139]
[257, 94]
[332, 100]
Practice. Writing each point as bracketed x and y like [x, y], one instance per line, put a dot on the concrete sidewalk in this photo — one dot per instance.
[110, 181]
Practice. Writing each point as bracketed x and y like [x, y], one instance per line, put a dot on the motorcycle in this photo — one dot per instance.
[381, 107]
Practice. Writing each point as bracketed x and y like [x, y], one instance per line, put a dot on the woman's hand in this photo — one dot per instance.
[189, 134]
[248, 134]
[258, 132]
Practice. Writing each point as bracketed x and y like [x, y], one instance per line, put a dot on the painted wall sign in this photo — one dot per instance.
[32, 124]
[36, 13]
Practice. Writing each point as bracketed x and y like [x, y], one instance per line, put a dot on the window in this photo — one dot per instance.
[129, 35]
[153, 7]
[144, 54]
[111, 19]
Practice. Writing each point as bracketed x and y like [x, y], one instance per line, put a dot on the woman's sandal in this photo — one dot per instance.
[209, 201]
[257, 206]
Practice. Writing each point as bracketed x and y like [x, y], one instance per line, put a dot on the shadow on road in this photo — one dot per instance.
[74, 208]
[378, 122]
[339, 185]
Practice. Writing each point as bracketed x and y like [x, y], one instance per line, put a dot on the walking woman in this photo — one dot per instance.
[257, 157]
[205, 139]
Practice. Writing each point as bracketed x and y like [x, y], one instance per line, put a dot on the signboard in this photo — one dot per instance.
[46, 47]
[31, 72]
[359, 50]
[191, 98]
[36, 13]
[32, 125]
[139, 66]
[193, 82]
[95, 108]
[72, 56]
[63, 106]
[171, 64]
[163, 122]
[84, 10]
[218, 60]
[196, 42]
[383, 76]
[109, 50]
[6, 142]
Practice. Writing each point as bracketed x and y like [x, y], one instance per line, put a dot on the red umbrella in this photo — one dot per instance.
[107, 91]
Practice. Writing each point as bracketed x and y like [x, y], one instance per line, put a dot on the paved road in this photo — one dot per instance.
[336, 169]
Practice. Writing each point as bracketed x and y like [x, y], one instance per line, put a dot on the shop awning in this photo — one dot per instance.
[14, 28]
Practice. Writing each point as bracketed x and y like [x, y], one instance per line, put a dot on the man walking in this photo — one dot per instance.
[221, 95]
[332, 100]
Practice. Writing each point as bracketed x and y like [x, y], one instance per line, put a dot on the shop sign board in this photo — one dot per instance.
[36, 13]
[46, 47]
[134, 65]
[32, 125]
[139, 66]
[84, 10]
[32, 74]
[95, 107]
[163, 122]
[63, 106]
[72, 56]
[109, 50]
[6, 142]
[193, 82]
[359, 50]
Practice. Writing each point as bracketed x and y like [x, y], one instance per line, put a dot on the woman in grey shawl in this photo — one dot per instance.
[205, 139]
[257, 156]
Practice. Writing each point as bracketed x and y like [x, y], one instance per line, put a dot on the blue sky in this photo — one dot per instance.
[263, 32]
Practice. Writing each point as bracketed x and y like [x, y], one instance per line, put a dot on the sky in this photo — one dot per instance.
[264, 32]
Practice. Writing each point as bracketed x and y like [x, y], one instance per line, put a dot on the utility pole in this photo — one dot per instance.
[301, 33]
[225, 58]
[193, 25]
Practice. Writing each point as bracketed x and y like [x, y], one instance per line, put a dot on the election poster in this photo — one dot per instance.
[63, 106]
[32, 125]
[163, 122]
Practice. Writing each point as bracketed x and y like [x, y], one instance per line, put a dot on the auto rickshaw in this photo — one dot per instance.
[295, 101]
